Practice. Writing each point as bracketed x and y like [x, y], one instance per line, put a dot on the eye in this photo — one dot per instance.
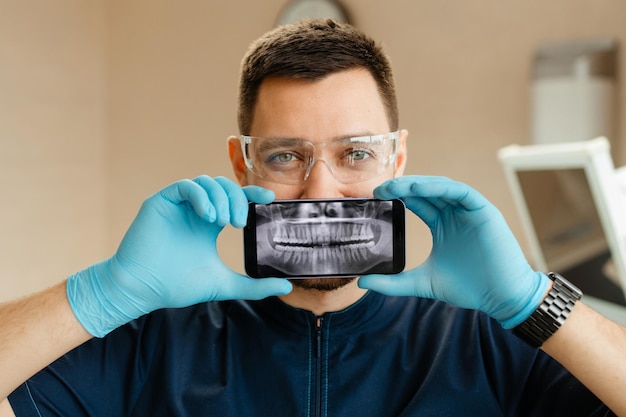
[359, 155]
[282, 158]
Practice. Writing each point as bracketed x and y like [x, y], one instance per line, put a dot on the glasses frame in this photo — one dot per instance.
[393, 136]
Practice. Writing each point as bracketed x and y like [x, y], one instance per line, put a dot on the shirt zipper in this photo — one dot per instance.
[318, 361]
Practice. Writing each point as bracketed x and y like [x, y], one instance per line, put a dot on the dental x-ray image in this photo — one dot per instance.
[318, 238]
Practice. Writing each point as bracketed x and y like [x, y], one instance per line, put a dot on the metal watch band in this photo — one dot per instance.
[551, 313]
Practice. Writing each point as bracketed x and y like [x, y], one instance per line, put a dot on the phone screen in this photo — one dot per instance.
[325, 238]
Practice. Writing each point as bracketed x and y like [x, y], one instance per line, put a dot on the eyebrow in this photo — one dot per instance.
[286, 142]
[280, 143]
[356, 135]
[289, 140]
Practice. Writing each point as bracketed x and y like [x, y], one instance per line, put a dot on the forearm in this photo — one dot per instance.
[5, 409]
[593, 349]
[35, 331]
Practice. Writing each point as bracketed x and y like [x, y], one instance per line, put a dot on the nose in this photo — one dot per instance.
[325, 209]
[332, 209]
[321, 183]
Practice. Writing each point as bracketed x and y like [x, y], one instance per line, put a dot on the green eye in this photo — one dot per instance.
[359, 155]
[285, 157]
[284, 162]
[282, 158]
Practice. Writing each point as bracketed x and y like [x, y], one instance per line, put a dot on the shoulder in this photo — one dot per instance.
[453, 331]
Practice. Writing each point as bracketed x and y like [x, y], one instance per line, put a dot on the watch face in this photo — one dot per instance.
[313, 9]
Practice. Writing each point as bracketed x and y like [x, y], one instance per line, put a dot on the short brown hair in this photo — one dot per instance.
[312, 49]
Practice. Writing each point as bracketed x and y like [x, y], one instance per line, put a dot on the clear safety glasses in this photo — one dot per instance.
[290, 161]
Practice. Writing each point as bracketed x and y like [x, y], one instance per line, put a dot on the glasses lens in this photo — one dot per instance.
[361, 158]
[288, 161]
[279, 160]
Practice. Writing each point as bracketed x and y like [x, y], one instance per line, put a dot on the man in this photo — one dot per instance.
[438, 342]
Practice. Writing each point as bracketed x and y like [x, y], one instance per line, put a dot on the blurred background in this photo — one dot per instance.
[104, 102]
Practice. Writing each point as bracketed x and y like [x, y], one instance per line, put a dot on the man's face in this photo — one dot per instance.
[344, 104]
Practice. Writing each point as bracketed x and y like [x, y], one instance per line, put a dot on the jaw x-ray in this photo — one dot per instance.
[324, 238]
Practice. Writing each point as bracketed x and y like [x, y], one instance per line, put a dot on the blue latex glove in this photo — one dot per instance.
[168, 257]
[475, 262]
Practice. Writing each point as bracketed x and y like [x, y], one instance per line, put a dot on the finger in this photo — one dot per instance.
[189, 191]
[408, 283]
[218, 198]
[244, 288]
[404, 188]
[428, 209]
[433, 187]
[386, 284]
[401, 186]
[259, 195]
[237, 201]
[440, 203]
[455, 193]
[424, 209]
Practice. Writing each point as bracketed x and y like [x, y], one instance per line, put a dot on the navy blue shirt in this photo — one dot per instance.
[383, 356]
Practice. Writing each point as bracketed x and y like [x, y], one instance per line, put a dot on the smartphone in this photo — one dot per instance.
[325, 238]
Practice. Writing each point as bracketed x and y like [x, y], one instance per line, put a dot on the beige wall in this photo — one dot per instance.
[104, 102]
[53, 151]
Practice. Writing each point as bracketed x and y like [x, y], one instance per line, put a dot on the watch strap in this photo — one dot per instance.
[551, 313]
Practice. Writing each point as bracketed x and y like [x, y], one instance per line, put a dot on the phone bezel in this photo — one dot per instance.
[399, 239]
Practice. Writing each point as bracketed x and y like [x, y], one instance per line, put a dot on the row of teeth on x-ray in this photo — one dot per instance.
[302, 237]
[324, 255]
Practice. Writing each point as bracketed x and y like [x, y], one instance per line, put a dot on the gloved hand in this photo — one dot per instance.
[475, 262]
[168, 257]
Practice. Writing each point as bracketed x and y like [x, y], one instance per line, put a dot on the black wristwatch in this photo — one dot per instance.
[551, 313]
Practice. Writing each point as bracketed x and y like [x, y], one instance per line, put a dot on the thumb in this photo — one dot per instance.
[245, 288]
[408, 283]
[258, 194]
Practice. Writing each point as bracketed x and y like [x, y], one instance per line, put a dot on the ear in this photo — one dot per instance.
[402, 154]
[236, 160]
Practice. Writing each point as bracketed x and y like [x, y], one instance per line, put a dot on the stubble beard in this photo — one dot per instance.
[322, 284]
